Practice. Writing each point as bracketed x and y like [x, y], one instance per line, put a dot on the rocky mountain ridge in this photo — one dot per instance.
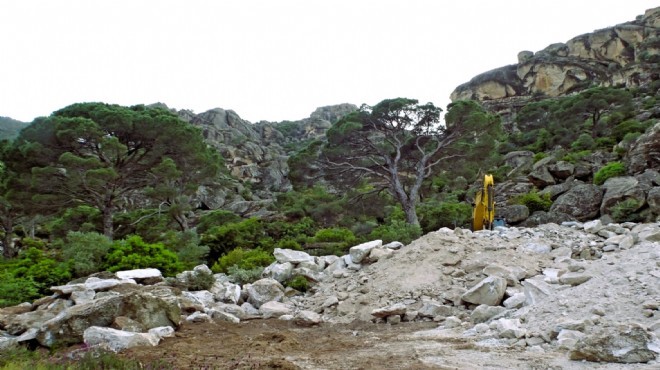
[623, 55]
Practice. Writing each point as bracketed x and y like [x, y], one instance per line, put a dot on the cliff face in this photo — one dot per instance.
[256, 154]
[627, 54]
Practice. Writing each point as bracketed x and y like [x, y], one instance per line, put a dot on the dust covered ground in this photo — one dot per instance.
[277, 344]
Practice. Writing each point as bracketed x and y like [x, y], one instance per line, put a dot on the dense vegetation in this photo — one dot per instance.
[97, 187]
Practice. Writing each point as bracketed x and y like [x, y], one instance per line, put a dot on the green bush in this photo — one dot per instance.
[435, 214]
[200, 280]
[16, 290]
[43, 270]
[534, 201]
[612, 169]
[134, 253]
[574, 157]
[216, 218]
[246, 259]
[335, 234]
[396, 230]
[85, 251]
[624, 211]
[583, 142]
[187, 248]
[298, 283]
[244, 276]
[247, 234]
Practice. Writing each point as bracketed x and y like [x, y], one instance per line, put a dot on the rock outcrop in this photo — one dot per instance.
[626, 55]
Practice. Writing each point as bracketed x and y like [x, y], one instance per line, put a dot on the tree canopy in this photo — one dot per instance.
[105, 155]
[396, 145]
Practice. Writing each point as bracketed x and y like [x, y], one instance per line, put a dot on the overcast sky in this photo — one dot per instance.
[271, 60]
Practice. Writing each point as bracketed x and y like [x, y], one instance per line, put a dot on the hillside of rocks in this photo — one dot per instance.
[570, 292]
[623, 55]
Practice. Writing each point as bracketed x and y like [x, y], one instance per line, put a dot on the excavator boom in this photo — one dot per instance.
[483, 213]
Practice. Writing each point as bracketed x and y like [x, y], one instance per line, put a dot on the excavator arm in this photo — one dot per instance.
[483, 212]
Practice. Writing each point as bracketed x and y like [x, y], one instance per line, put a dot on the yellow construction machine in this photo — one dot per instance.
[483, 211]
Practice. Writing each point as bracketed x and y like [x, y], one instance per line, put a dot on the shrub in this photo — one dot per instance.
[434, 215]
[298, 283]
[85, 251]
[216, 218]
[243, 259]
[336, 234]
[612, 169]
[200, 280]
[15, 290]
[583, 142]
[35, 265]
[539, 156]
[247, 234]
[534, 201]
[187, 248]
[574, 157]
[397, 230]
[624, 211]
[244, 276]
[134, 253]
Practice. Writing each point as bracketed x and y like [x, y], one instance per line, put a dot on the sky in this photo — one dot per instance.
[271, 60]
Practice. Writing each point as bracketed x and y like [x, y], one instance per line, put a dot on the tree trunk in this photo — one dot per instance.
[8, 240]
[411, 212]
[108, 227]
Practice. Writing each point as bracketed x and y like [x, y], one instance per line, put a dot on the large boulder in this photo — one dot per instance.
[488, 291]
[645, 153]
[288, 255]
[117, 340]
[264, 290]
[625, 344]
[359, 252]
[618, 189]
[513, 214]
[582, 202]
[150, 309]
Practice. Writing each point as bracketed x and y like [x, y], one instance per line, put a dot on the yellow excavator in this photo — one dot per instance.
[483, 211]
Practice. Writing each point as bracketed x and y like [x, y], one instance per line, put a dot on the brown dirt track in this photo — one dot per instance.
[276, 344]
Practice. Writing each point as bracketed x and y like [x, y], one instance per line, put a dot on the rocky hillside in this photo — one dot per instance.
[549, 294]
[256, 154]
[626, 55]
[623, 55]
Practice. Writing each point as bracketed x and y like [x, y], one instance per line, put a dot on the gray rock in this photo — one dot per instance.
[264, 290]
[433, 308]
[483, 313]
[515, 301]
[138, 274]
[226, 292]
[653, 200]
[395, 309]
[574, 278]
[513, 213]
[488, 291]
[618, 189]
[359, 252]
[377, 254]
[561, 169]
[644, 152]
[536, 290]
[307, 318]
[288, 255]
[274, 309]
[224, 316]
[625, 344]
[199, 317]
[582, 202]
[278, 271]
[117, 340]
